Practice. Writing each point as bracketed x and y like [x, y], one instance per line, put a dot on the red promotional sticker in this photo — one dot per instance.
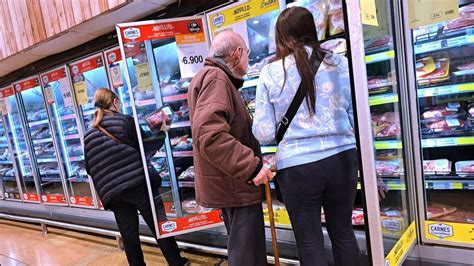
[161, 30]
[31, 197]
[191, 223]
[82, 201]
[53, 76]
[53, 199]
[6, 92]
[84, 66]
[26, 84]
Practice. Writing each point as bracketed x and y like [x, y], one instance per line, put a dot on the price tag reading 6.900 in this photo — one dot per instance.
[193, 59]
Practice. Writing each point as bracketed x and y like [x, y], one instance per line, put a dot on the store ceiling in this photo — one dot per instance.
[83, 33]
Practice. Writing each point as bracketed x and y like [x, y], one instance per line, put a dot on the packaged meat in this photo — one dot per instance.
[192, 207]
[358, 216]
[388, 168]
[183, 113]
[446, 125]
[436, 113]
[319, 9]
[378, 42]
[437, 167]
[386, 125]
[334, 6]
[336, 23]
[424, 33]
[465, 69]
[439, 74]
[465, 19]
[337, 45]
[464, 168]
[378, 84]
[387, 155]
[156, 119]
[458, 217]
[470, 111]
[188, 173]
[435, 210]
[183, 143]
[425, 66]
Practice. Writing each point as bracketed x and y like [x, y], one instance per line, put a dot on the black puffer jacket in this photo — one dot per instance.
[114, 167]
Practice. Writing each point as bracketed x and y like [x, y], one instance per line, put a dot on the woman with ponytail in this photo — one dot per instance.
[316, 157]
[114, 162]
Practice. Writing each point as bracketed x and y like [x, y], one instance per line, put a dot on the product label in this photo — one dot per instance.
[400, 250]
[192, 50]
[453, 122]
[281, 217]
[80, 90]
[66, 91]
[116, 76]
[426, 12]
[191, 223]
[241, 13]
[48, 91]
[453, 232]
[142, 72]
[113, 56]
[368, 12]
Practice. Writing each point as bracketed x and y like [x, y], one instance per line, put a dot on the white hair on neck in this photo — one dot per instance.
[225, 43]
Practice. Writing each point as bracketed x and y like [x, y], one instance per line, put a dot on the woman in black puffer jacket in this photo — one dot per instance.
[114, 162]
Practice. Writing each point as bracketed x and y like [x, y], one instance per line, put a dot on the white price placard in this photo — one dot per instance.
[192, 51]
[66, 92]
[116, 76]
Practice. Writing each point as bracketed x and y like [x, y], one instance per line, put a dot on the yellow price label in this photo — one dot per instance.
[400, 250]
[281, 217]
[80, 89]
[369, 12]
[142, 72]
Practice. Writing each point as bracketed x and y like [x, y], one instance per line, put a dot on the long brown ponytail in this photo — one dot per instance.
[103, 101]
[294, 30]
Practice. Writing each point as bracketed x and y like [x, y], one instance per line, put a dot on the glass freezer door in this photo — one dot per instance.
[10, 186]
[444, 88]
[45, 153]
[26, 168]
[88, 75]
[57, 86]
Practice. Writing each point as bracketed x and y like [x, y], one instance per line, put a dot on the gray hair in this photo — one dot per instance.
[225, 43]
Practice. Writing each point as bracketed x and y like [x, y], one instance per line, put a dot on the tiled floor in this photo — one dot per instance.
[25, 244]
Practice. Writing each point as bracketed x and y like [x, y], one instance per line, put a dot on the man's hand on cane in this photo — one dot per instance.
[264, 175]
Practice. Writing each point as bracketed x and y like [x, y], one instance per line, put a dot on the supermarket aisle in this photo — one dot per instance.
[24, 244]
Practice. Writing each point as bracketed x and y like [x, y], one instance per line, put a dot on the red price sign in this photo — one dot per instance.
[26, 84]
[191, 223]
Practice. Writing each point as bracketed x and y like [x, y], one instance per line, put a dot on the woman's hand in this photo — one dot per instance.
[165, 127]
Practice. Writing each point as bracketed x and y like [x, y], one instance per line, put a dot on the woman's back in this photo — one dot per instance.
[309, 137]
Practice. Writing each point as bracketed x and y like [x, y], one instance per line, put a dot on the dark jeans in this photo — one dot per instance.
[246, 231]
[125, 209]
[330, 183]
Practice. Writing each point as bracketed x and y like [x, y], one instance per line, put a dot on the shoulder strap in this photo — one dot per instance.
[295, 104]
[110, 135]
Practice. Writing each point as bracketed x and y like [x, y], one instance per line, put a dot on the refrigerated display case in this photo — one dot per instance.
[44, 157]
[444, 93]
[68, 136]
[11, 189]
[162, 57]
[116, 76]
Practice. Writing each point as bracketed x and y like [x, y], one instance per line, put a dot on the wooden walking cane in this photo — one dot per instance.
[272, 223]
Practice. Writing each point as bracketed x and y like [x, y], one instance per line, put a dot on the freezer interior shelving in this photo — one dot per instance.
[444, 64]
[7, 169]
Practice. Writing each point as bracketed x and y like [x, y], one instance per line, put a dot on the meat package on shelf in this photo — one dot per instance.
[386, 125]
[378, 42]
[192, 207]
[188, 174]
[437, 167]
[381, 84]
[389, 167]
[464, 168]
[447, 119]
[431, 70]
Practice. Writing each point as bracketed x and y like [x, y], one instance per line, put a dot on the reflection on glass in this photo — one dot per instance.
[7, 171]
[445, 73]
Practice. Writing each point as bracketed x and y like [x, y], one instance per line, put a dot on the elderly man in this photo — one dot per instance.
[227, 158]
